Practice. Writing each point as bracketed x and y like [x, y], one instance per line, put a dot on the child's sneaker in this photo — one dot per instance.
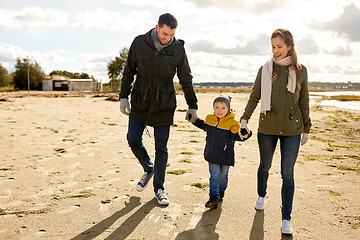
[286, 227]
[212, 203]
[161, 197]
[260, 203]
[144, 181]
[222, 193]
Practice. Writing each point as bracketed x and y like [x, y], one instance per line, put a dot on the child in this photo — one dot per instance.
[222, 130]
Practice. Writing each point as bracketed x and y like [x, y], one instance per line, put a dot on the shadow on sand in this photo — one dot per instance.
[126, 228]
[257, 229]
[205, 228]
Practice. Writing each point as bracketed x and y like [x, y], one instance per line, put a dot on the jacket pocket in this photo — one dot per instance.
[166, 101]
[137, 100]
[294, 120]
[143, 64]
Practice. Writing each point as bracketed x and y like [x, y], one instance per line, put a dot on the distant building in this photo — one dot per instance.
[55, 83]
[62, 83]
[84, 85]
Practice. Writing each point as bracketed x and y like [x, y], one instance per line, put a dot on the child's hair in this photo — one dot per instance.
[223, 98]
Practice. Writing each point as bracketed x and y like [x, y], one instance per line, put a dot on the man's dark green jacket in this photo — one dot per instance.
[153, 97]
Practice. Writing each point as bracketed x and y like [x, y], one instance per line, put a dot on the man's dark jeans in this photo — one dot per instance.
[161, 134]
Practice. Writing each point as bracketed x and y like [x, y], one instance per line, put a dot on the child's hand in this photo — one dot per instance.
[244, 130]
[246, 136]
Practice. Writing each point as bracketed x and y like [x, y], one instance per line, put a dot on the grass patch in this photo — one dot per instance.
[326, 174]
[185, 161]
[187, 153]
[194, 141]
[177, 172]
[321, 139]
[348, 168]
[110, 124]
[312, 157]
[333, 193]
[26, 212]
[330, 157]
[82, 194]
[330, 148]
[357, 222]
[6, 169]
[343, 98]
[200, 185]
[356, 157]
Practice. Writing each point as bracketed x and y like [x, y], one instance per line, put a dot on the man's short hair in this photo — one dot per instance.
[167, 19]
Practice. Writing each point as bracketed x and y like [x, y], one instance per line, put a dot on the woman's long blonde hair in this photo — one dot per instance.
[289, 41]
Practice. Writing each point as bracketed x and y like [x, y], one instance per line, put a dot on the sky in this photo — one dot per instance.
[225, 40]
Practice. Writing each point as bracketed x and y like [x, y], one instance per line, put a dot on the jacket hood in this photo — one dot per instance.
[228, 116]
[228, 122]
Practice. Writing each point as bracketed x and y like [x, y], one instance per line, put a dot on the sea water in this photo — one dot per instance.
[349, 105]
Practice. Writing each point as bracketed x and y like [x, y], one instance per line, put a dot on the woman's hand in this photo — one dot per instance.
[304, 138]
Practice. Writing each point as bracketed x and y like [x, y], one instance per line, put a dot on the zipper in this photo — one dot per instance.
[212, 139]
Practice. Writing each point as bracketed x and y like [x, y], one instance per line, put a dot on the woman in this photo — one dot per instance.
[282, 86]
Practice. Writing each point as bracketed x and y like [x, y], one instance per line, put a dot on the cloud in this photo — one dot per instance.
[257, 46]
[307, 45]
[9, 52]
[114, 21]
[33, 17]
[341, 51]
[347, 24]
[352, 71]
[255, 7]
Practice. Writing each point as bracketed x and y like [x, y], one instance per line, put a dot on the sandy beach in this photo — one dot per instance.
[66, 172]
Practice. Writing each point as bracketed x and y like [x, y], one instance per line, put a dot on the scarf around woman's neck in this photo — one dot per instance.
[158, 44]
[266, 81]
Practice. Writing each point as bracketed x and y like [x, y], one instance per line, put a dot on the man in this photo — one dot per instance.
[154, 58]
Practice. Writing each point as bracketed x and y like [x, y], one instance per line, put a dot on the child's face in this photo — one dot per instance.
[220, 109]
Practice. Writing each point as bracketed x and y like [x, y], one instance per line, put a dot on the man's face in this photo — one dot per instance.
[165, 34]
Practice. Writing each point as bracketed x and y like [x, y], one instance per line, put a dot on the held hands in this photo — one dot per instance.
[191, 115]
[244, 130]
[304, 138]
[124, 106]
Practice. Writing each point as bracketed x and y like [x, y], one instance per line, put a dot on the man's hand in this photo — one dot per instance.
[191, 115]
[244, 130]
[125, 106]
[304, 138]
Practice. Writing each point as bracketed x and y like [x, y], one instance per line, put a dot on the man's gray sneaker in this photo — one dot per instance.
[144, 181]
[161, 197]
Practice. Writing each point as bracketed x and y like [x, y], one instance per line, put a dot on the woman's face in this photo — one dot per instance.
[279, 48]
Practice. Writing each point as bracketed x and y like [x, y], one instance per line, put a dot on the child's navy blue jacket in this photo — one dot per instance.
[221, 135]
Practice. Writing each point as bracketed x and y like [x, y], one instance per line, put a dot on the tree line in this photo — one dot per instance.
[25, 69]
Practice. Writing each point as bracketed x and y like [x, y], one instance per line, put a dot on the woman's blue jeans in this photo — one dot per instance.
[218, 179]
[161, 134]
[289, 148]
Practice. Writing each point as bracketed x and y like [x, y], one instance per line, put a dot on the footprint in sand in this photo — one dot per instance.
[69, 209]
[171, 212]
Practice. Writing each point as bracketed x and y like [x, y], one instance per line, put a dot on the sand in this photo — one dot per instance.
[67, 172]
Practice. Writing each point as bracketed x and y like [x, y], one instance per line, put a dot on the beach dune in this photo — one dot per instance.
[66, 172]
